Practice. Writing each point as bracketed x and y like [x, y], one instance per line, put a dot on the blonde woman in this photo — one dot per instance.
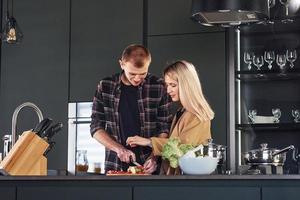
[191, 124]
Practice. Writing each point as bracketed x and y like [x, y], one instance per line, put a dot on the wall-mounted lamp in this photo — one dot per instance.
[11, 32]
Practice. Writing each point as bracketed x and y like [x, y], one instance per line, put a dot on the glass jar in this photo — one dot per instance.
[97, 167]
[82, 164]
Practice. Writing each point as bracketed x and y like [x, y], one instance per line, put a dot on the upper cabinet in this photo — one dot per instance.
[100, 30]
[268, 70]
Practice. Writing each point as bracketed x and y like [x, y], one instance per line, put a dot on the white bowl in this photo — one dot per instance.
[198, 165]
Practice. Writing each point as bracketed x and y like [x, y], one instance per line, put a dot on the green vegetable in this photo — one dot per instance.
[173, 150]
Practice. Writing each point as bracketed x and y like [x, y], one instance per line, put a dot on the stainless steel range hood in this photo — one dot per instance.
[229, 12]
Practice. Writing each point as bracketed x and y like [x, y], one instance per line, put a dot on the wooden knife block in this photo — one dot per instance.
[26, 156]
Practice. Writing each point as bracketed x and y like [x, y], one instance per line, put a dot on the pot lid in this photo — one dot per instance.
[264, 147]
[214, 145]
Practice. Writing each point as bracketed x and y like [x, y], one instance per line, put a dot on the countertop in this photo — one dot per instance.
[153, 177]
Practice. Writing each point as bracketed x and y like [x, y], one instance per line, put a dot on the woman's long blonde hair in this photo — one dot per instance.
[190, 90]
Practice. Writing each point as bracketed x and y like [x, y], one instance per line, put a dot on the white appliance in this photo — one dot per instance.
[79, 137]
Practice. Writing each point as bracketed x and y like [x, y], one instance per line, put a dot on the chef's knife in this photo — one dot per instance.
[51, 145]
[134, 162]
[52, 131]
[42, 126]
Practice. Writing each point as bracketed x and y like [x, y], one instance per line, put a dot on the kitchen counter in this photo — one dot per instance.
[153, 177]
[208, 187]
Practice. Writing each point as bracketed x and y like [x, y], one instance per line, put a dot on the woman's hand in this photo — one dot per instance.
[138, 140]
[150, 165]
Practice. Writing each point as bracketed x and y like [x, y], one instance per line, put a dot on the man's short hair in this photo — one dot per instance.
[129, 49]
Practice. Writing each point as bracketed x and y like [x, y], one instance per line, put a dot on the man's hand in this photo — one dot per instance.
[150, 165]
[125, 155]
[104, 138]
[138, 140]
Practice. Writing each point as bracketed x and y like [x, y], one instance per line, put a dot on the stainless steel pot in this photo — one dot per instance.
[266, 156]
[216, 151]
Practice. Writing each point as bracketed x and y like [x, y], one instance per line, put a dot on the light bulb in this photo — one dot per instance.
[11, 36]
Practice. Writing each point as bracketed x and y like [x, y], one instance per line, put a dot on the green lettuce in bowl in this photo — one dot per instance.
[173, 150]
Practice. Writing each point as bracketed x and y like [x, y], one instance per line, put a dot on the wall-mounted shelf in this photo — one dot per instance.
[266, 89]
[276, 25]
[269, 127]
[265, 75]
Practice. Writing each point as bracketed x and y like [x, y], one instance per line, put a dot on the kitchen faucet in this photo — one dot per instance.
[15, 116]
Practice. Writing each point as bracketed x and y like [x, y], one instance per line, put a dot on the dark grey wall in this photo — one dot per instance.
[99, 33]
[37, 70]
[69, 45]
[173, 36]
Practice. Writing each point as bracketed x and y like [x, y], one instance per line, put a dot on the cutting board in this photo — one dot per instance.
[126, 174]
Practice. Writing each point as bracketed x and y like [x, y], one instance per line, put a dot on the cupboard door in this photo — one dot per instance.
[100, 30]
[8, 193]
[279, 193]
[74, 193]
[211, 193]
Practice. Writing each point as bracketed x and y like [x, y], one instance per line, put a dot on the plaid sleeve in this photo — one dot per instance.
[164, 116]
[98, 116]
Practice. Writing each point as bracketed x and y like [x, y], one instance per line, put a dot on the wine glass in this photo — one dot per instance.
[277, 114]
[258, 61]
[271, 3]
[286, 4]
[269, 58]
[248, 59]
[296, 115]
[281, 60]
[252, 114]
[291, 56]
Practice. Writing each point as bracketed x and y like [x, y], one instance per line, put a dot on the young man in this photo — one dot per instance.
[133, 102]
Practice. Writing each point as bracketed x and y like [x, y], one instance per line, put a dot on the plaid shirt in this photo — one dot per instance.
[154, 107]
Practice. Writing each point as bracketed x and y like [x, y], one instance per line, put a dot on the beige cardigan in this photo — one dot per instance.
[190, 130]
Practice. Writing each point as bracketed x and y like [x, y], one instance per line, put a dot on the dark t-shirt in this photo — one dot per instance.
[178, 114]
[130, 124]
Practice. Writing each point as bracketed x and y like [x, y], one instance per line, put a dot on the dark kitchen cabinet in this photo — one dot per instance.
[100, 30]
[279, 193]
[182, 192]
[8, 193]
[207, 52]
[267, 74]
[210, 187]
[74, 193]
